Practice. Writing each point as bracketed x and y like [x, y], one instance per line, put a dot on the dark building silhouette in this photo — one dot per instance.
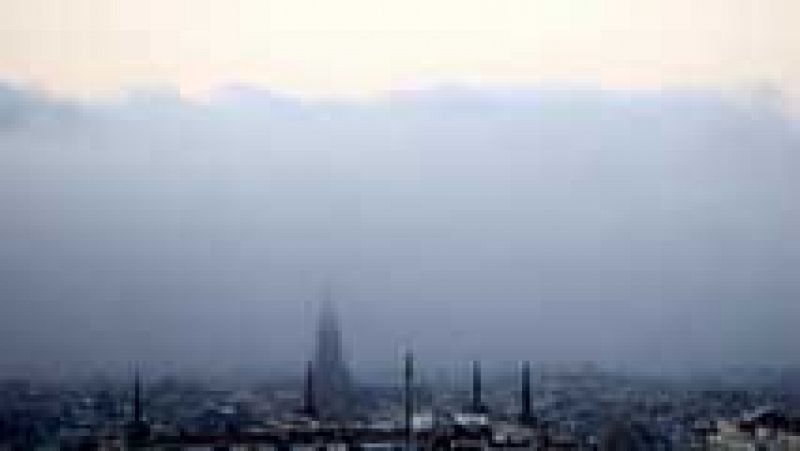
[137, 397]
[622, 436]
[408, 395]
[309, 406]
[138, 430]
[476, 404]
[333, 390]
[526, 412]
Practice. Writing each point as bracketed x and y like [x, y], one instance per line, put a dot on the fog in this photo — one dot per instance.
[639, 228]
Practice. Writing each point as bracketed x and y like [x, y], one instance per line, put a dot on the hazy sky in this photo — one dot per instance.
[554, 180]
[359, 47]
[654, 228]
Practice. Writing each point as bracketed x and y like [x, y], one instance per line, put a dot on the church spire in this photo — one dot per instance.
[332, 383]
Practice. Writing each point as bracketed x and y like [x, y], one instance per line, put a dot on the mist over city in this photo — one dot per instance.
[648, 228]
[445, 225]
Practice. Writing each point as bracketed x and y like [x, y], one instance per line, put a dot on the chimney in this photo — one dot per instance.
[408, 382]
[525, 415]
[477, 401]
[309, 408]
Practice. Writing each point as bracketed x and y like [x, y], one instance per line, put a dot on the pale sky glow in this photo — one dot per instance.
[349, 48]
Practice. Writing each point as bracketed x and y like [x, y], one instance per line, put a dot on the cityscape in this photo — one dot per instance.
[400, 225]
[578, 407]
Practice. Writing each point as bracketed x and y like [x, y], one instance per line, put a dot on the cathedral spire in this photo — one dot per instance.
[332, 383]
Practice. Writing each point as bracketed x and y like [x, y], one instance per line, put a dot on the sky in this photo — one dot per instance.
[651, 229]
[557, 181]
[357, 48]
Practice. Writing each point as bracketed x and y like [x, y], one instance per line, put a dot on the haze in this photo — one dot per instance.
[656, 228]
[560, 181]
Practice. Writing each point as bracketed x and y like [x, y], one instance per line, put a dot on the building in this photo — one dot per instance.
[333, 388]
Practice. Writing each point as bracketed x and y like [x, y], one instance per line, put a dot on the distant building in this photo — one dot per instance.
[624, 436]
[763, 428]
[476, 403]
[138, 431]
[333, 388]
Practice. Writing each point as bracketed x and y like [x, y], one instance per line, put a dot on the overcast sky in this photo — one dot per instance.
[611, 181]
[348, 48]
[658, 227]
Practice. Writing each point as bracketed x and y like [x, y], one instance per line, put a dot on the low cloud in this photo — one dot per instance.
[642, 227]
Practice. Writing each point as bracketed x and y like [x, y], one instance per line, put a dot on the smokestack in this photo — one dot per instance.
[137, 430]
[137, 397]
[477, 402]
[408, 381]
[309, 408]
[525, 415]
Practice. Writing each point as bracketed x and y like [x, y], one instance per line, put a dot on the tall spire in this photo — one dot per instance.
[329, 336]
[332, 378]
[328, 333]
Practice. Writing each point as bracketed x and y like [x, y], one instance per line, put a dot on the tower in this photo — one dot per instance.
[309, 407]
[332, 385]
[525, 414]
[476, 405]
[137, 397]
[408, 396]
[137, 429]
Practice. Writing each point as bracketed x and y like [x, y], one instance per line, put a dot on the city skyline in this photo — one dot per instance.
[399, 224]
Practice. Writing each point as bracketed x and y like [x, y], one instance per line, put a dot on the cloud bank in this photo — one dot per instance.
[654, 228]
